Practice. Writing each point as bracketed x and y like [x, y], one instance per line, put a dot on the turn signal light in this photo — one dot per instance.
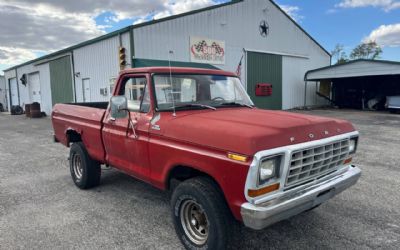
[236, 157]
[265, 190]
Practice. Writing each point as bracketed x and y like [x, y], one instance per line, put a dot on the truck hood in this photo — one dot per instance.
[247, 131]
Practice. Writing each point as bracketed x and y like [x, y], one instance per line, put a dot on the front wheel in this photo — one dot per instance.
[85, 171]
[201, 217]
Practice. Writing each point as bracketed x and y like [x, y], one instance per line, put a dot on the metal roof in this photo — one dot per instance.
[356, 68]
[132, 27]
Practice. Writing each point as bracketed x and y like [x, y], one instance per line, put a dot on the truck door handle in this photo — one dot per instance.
[111, 119]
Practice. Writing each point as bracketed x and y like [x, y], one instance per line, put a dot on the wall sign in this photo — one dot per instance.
[203, 50]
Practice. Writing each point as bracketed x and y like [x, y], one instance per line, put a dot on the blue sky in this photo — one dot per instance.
[347, 26]
[32, 28]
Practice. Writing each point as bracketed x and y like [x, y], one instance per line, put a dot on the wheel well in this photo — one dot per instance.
[73, 136]
[182, 173]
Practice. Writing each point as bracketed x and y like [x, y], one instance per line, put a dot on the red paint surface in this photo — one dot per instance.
[199, 139]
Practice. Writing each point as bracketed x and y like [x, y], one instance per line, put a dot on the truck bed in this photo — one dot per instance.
[86, 120]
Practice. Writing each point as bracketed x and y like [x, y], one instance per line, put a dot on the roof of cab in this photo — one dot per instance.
[178, 70]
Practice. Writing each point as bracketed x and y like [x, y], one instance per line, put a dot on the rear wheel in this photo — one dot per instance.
[85, 171]
[201, 216]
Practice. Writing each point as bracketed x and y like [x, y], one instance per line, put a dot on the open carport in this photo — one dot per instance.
[360, 84]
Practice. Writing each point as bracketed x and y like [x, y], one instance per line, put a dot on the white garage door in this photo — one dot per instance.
[34, 87]
[14, 91]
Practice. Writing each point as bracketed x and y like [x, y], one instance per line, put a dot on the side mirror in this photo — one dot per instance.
[119, 107]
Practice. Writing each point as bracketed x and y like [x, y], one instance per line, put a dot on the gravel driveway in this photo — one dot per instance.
[40, 208]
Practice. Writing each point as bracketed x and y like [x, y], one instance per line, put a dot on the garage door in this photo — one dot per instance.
[61, 80]
[34, 87]
[265, 68]
[13, 92]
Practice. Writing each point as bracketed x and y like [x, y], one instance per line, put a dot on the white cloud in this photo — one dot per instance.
[29, 27]
[181, 6]
[386, 35]
[386, 5]
[292, 11]
[11, 56]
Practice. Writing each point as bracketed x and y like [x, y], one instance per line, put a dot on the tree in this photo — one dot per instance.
[367, 50]
[339, 54]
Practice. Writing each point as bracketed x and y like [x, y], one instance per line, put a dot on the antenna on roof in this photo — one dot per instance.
[170, 82]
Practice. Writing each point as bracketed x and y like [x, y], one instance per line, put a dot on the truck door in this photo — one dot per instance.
[128, 151]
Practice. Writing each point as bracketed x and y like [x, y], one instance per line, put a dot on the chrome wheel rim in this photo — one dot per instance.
[194, 222]
[77, 166]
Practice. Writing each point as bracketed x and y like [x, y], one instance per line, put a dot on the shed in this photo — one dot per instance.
[359, 84]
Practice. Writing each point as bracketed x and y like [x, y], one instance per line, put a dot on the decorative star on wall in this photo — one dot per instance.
[264, 28]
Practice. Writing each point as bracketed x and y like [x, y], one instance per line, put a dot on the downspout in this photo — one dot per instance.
[120, 39]
[73, 74]
[305, 94]
[16, 78]
[132, 45]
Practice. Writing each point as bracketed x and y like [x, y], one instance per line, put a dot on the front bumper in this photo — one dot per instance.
[260, 216]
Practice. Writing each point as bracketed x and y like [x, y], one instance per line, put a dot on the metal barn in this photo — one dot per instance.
[256, 38]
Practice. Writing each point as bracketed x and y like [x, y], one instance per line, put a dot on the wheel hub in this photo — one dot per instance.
[77, 166]
[194, 222]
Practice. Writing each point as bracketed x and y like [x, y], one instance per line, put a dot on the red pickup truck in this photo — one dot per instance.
[196, 133]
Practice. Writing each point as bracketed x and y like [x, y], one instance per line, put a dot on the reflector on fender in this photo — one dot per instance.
[348, 161]
[265, 190]
[236, 157]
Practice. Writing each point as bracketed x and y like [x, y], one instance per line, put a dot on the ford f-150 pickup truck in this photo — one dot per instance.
[197, 133]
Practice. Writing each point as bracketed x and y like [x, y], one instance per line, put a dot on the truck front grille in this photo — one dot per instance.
[312, 163]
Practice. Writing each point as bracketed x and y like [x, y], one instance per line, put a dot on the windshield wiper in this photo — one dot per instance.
[192, 105]
[236, 104]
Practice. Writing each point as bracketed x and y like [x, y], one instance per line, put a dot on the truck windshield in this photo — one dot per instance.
[199, 92]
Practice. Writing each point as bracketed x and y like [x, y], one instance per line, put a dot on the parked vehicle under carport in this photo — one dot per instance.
[393, 104]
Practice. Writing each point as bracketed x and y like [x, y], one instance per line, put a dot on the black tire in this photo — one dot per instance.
[89, 172]
[211, 202]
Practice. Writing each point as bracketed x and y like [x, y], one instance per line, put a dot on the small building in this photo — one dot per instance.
[255, 38]
[358, 84]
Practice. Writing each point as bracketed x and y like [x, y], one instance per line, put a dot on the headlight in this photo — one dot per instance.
[269, 169]
[353, 145]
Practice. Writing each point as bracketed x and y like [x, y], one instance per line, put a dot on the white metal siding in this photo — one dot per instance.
[8, 75]
[361, 68]
[24, 91]
[238, 26]
[99, 62]
[34, 87]
[294, 69]
[44, 76]
[14, 93]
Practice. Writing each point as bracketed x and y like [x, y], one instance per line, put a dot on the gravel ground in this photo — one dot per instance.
[40, 208]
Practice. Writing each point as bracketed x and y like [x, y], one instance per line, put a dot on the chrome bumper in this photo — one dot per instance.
[260, 216]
